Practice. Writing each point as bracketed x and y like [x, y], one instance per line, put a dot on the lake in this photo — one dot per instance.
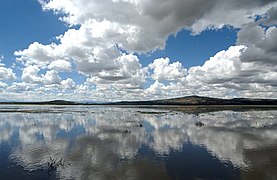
[109, 142]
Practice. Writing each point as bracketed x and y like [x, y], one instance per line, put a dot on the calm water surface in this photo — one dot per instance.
[89, 142]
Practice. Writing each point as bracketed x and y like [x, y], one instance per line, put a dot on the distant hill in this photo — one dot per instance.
[198, 100]
[188, 100]
[61, 102]
[54, 102]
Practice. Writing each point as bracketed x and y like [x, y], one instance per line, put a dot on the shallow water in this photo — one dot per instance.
[90, 142]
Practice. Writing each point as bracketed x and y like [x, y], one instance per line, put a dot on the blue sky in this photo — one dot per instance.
[194, 50]
[136, 49]
[23, 22]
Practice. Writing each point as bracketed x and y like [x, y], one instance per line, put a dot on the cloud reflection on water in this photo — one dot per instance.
[94, 142]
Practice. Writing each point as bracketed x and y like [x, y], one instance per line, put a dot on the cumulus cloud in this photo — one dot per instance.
[51, 77]
[21, 87]
[3, 86]
[262, 48]
[60, 65]
[94, 57]
[132, 25]
[109, 34]
[30, 75]
[225, 74]
[128, 74]
[68, 84]
[163, 71]
[222, 67]
[6, 73]
[36, 54]
[156, 88]
[147, 23]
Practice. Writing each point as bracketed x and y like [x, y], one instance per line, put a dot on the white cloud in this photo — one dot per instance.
[145, 25]
[3, 86]
[129, 74]
[20, 87]
[37, 54]
[30, 75]
[60, 65]
[155, 88]
[51, 77]
[223, 75]
[133, 26]
[68, 84]
[222, 67]
[163, 71]
[6, 74]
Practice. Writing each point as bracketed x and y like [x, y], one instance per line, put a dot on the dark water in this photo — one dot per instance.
[88, 142]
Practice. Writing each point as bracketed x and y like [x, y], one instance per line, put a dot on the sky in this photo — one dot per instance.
[112, 50]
